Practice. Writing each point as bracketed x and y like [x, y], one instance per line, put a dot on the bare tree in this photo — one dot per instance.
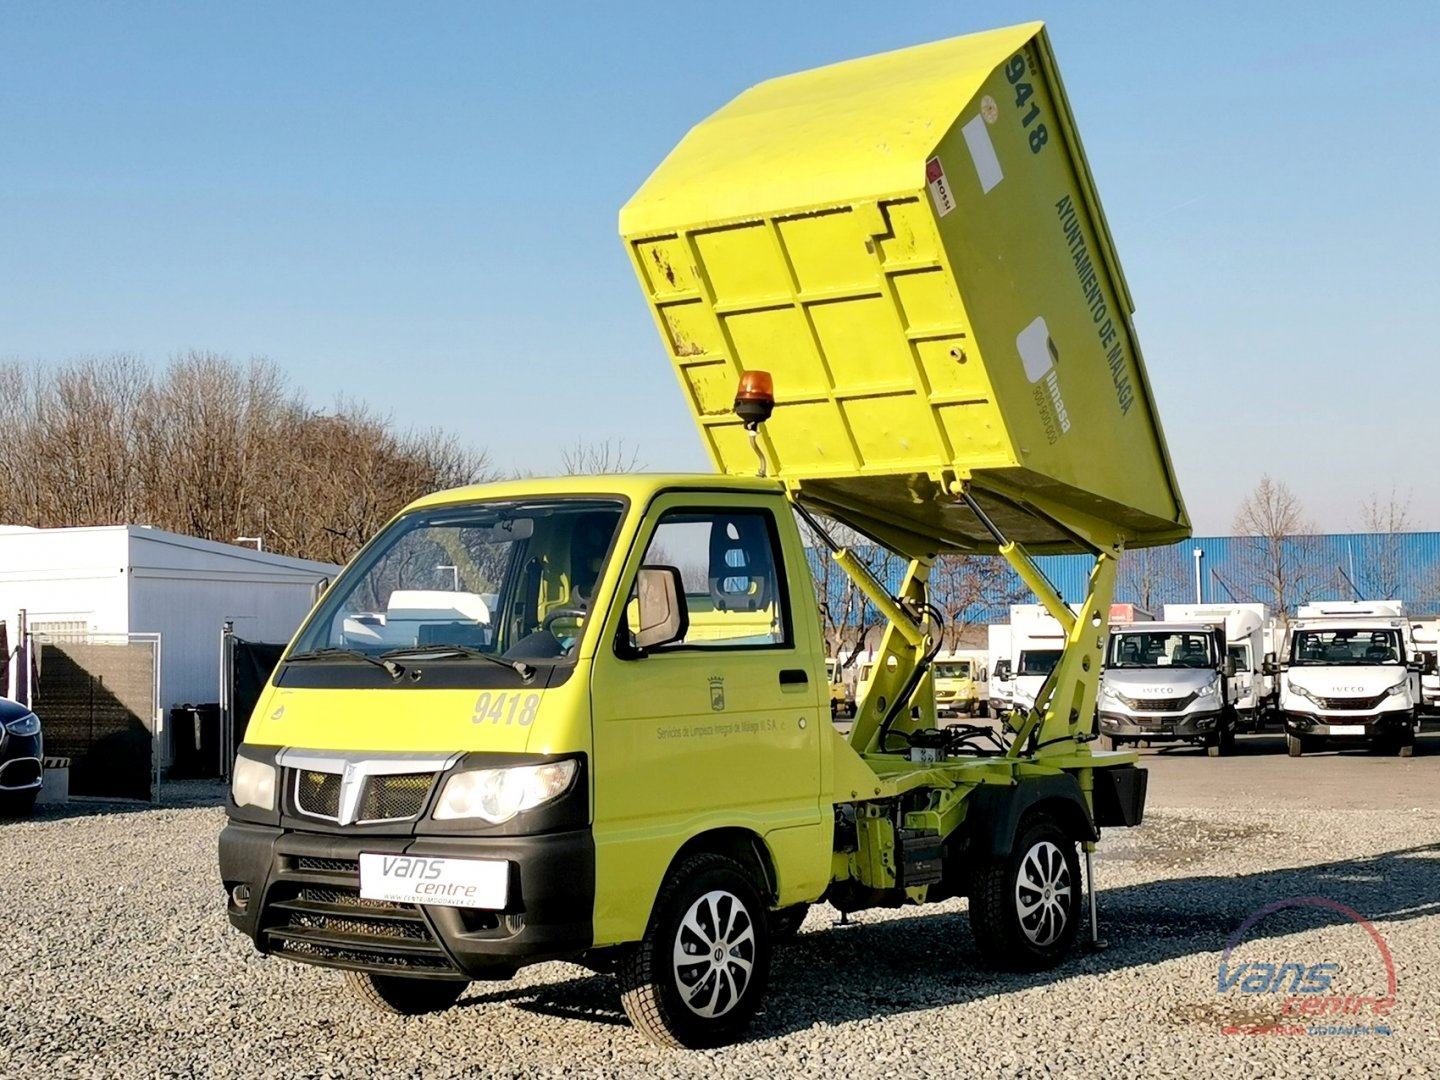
[1279, 560]
[1382, 572]
[585, 459]
[966, 588]
[1151, 577]
[213, 449]
[846, 613]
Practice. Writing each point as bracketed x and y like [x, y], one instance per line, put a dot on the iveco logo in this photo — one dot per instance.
[1349, 689]
[1158, 690]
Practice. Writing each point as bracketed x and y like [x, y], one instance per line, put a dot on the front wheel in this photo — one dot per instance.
[1222, 744]
[1025, 907]
[404, 995]
[698, 975]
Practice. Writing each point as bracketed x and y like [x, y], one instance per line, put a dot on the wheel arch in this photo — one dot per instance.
[994, 820]
[736, 842]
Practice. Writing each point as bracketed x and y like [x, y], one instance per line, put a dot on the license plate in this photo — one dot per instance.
[1347, 729]
[422, 879]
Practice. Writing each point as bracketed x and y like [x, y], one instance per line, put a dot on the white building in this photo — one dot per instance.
[131, 579]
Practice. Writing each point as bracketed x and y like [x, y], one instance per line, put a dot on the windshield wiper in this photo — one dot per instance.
[393, 669]
[441, 652]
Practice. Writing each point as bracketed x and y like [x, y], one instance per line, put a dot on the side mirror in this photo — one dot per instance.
[1229, 669]
[1268, 666]
[1432, 664]
[664, 617]
[1418, 664]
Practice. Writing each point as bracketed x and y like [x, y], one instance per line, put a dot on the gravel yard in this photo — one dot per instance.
[119, 962]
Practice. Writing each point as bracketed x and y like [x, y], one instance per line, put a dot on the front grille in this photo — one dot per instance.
[384, 797]
[318, 793]
[1163, 704]
[1352, 703]
[393, 798]
[315, 914]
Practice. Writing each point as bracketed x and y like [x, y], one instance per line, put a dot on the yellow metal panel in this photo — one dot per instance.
[912, 245]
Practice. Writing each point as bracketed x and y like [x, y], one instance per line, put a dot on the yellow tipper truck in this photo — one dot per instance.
[588, 718]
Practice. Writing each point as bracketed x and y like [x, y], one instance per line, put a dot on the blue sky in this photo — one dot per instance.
[415, 205]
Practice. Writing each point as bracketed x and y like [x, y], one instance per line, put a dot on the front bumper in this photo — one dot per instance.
[1364, 727]
[1160, 726]
[302, 893]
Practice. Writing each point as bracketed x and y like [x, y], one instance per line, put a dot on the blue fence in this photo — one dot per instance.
[1333, 566]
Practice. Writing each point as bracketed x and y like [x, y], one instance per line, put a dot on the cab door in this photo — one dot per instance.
[722, 728]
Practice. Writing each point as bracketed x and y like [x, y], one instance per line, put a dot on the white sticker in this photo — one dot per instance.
[982, 152]
[1037, 350]
[939, 187]
[420, 879]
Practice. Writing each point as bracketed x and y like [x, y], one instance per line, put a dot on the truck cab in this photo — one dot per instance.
[1168, 682]
[1350, 675]
[1244, 626]
[1426, 634]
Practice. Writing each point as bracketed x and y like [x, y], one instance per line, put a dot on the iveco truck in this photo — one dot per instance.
[1245, 647]
[1168, 682]
[1350, 675]
[614, 746]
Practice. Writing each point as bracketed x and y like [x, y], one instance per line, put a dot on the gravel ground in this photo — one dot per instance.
[118, 961]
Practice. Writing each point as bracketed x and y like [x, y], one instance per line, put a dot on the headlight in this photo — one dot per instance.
[1398, 690]
[1306, 694]
[27, 725]
[253, 784]
[497, 795]
[1107, 694]
[1208, 691]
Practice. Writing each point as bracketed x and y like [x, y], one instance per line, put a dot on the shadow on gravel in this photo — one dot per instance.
[174, 795]
[927, 961]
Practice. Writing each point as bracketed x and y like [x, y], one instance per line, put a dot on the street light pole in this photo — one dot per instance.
[1199, 554]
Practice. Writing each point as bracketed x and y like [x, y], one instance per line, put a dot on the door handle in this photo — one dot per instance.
[793, 677]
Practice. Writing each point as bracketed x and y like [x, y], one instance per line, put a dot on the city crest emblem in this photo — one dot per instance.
[717, 693]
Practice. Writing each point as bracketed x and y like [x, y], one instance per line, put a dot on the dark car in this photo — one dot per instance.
[21, 748]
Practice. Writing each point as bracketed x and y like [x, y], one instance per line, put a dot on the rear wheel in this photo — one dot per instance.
[1025, 907]
[1294, 745]
[698, 975]
[404, 995]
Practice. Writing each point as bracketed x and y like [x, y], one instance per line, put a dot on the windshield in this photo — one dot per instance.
[956, 669]
[1345, 647]
[1166, 648]
[512, 580]
[1038, 661]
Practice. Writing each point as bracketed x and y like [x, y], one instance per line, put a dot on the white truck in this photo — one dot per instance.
[1002, 670]
[1427, 641]
[1245, 646]
[1168, 681]
[1349, 673]
[1036, 641]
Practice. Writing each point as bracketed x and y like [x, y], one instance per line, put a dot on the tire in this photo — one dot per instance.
[1223, 744]
[785, 923]
[404, 995]
[1294, 745]
[700, 895]
[1009, 937]
[17, 804]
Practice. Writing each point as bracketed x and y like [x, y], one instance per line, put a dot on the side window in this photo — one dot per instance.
[731, 570]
